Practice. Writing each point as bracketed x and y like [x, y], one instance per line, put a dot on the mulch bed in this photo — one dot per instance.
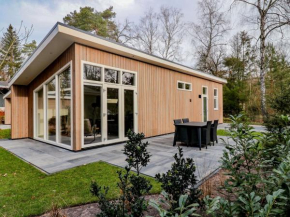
[210, 187]
[90, 210]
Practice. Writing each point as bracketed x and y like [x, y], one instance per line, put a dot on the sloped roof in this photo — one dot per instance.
[62, 36]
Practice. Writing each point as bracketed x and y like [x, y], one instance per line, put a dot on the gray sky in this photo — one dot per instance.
[43, 14]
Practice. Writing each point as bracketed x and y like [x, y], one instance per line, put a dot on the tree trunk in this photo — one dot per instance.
[262, 67]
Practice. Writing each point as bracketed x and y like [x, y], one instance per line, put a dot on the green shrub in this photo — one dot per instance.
[136, 151]
[131, 202]
[180, 180]
[257, 186]
[183, 210]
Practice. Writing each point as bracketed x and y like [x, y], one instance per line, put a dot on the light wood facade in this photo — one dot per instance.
[8, 111]
[159, 100]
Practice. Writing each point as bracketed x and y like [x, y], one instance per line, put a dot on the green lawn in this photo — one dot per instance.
[26, 191]
[5, 134]
[222, 132]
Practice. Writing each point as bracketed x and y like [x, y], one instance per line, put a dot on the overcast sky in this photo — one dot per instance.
[43, 14]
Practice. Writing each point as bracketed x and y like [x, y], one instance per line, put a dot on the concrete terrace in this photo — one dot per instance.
[51, 159]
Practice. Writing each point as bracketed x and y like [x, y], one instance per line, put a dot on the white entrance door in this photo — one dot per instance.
[204, 104]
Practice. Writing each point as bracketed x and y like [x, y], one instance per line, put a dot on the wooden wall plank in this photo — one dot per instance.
[159, 100]
[19, 109]
[7, 111]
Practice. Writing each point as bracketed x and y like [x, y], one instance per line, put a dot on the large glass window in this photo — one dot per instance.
[112, 76]
[92, 114]
[113, 113]
[65, 107]
[92, 72]
[129, 110]
[39, 114]
[51, 110]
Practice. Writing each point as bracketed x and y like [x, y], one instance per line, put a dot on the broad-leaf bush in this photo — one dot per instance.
[165, 206]
[133, 187]
[259, 175]
[180, 180]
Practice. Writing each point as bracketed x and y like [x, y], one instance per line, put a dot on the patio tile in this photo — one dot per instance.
[54, 159]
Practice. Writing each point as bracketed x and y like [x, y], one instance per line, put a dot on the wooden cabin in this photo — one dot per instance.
[79, 90]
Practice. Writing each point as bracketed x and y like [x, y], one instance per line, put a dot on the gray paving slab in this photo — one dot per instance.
[52, 159]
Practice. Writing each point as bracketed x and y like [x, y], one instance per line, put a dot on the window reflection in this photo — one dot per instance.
[65, 107]
[113, 113]
[128, 78]
[111, 76]
[92, 114]
[92, 72]
[129, 110]
[51, 110]
[40, 115]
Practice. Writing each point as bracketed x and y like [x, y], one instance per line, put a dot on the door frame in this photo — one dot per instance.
[204, 95]
[104, 85]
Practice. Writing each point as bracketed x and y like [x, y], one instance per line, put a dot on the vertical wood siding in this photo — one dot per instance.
[159, 100]
[7, 111]
[19, 110]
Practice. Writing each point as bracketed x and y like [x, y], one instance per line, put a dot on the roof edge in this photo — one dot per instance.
[64, 29]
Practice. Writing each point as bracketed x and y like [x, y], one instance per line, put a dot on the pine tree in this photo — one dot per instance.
[28, 49]
[10, 52]
[98, 22]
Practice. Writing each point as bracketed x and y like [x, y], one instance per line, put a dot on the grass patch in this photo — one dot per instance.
[5, 134]
[25, 191]
[222, 132]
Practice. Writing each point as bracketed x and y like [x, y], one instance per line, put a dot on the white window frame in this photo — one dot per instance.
[104, 85]
[204, 95]
[184, 83]
[216, 98]
[43, 85]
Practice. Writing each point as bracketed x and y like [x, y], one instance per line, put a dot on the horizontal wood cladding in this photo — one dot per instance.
[7, 111]
[56, 65]
[19, 110]
[159, 100]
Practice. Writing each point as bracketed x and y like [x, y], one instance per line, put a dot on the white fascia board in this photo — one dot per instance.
[106, 45]
[37, 51]
[7, 95]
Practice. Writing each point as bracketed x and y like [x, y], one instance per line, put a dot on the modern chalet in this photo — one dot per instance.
[79, 90]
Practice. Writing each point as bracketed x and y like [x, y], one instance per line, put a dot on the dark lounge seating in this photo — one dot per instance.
[205, 137]
[181, 134]
[213, 132]
[185, 120]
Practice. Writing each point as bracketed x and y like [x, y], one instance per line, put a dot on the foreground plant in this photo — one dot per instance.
[256, 186]
[183, 210]
[180, 180]
[133, 187]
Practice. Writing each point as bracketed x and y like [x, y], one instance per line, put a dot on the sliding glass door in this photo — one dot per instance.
[108, 113]
[129, 115]
[92, 114]
[113, 105]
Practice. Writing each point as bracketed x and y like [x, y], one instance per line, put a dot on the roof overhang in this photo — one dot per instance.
[7, 95]
[62, 37]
